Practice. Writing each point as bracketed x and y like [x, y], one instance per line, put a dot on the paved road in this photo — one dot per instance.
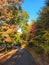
[22, 57]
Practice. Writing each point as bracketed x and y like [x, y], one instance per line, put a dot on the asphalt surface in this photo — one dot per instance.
[22, 57]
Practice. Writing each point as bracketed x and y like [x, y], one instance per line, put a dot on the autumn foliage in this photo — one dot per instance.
[9, 19]
[6, 33]
[32, 30]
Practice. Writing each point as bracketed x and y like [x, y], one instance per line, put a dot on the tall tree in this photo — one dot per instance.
[32, 31]
[9, 9]
[42, 27]
[10, 16]
[44, 16]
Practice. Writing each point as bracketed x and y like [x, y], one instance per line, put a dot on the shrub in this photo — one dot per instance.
[39, 50]
[18, 44]
[48, 53]
[30, 44]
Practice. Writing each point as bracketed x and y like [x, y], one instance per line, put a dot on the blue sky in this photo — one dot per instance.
[32, 7]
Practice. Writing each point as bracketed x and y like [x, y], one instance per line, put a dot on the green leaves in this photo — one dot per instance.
[44, 16]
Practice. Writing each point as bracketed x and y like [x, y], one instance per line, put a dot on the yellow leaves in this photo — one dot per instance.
[3, 27]
[9, 15]
[47, 32]
[27, 28]
[8, 28]
[46, 36]
[9, 10]
[7, 31]
[0, 33]
[4, 34]
[24, 14]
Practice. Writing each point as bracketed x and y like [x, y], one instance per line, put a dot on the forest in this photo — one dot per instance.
[34, 35]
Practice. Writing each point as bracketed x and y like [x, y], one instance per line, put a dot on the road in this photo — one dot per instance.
[22, 57]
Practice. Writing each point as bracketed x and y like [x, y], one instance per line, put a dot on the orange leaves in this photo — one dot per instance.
[32, 30]
[7, 31]
[7, 8]
[24, 14]
[10, 1]
[1, 2]
[10, 40]
[33, 27]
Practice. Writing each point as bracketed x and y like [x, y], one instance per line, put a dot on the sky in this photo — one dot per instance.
[32, 7]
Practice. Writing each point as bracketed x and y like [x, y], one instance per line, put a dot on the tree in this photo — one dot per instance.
[25, 33]
[32, 30]
[47, 3]
[43, 20]
[9, 9]
[12, 18]
[9, 16]
[44, 16]
[7, 33]
[42, 27]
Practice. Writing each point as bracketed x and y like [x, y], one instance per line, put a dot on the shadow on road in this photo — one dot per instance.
[21, 57]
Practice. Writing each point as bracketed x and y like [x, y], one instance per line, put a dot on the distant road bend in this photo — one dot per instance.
[22, 57]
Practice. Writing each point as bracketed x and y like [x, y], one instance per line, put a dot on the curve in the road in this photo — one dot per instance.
[22, 57]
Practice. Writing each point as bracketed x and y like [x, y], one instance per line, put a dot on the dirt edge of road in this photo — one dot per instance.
[36, 57]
